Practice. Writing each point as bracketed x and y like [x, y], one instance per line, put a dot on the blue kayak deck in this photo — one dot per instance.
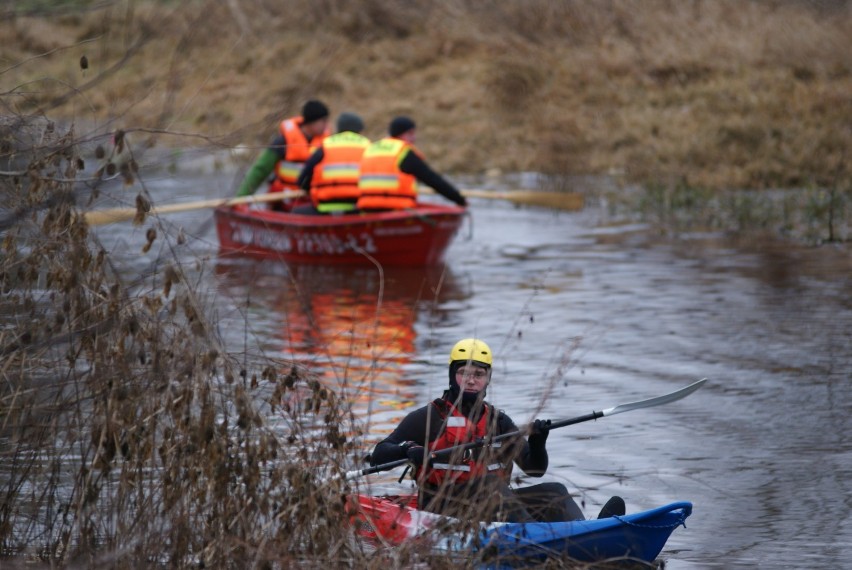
[637, 536]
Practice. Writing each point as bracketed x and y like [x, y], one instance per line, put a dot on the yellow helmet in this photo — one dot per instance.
[471, 349]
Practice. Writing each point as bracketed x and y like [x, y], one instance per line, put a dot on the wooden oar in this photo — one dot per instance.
[100, 217]
[559, 200]
[571, 201]
[649, 403]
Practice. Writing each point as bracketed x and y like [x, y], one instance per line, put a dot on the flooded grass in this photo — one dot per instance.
[813, 216]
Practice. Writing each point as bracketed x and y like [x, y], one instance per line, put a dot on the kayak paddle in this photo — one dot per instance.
[620, 409]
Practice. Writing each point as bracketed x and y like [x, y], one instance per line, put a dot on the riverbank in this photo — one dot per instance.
[707, 95]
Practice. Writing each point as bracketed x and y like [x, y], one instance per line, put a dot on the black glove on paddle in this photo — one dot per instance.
[538, 433]
[415, 453]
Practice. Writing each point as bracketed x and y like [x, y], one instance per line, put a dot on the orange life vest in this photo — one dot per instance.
[297, 151]
[334, 184]
[382, 184]
[457, 430]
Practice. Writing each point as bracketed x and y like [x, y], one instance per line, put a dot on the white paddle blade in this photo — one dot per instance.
[658, 401]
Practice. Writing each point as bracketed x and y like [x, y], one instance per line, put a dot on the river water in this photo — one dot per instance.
[582, 316]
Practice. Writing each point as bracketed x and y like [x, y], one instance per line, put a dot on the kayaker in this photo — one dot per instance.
[331, 173]
[475, 484]
[391, 168]
[297, 139]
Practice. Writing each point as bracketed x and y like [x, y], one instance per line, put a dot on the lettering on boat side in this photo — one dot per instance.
[398, 231]
[261, 237]
[307, 243]
[314, 243]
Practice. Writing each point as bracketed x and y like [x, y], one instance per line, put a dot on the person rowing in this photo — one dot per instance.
[475, 483]
[297, 139]
[392, 168]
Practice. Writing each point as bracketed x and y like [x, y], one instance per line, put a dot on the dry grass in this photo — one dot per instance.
[723, 94]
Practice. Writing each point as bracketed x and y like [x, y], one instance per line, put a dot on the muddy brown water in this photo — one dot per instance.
[583, 316]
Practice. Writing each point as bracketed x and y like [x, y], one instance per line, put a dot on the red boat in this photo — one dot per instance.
[401, 238]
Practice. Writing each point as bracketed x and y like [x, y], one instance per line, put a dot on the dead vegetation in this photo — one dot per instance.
[722, 95]
[131, 437]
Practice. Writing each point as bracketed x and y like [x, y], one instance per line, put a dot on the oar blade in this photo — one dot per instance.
[570, 201]
[658, 401]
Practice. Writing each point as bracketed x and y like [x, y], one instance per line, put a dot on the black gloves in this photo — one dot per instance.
[538, 433]
[415, 453]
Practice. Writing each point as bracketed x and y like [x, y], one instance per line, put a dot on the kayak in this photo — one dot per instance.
[641, 536]
[415, 237]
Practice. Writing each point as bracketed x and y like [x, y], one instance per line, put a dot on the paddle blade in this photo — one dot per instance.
[658, 401]
[570, 201]
[102, 217]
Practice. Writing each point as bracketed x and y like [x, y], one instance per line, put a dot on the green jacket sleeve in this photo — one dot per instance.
[259, 171]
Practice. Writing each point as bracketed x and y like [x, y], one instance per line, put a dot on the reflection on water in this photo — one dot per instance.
[355, 328]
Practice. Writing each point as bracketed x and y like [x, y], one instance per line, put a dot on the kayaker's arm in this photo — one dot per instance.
[263, 166]
[420, 427]
[415, 166]
[530, 455]
[307, 173]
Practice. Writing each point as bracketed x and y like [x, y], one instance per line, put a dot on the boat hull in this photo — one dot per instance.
[400, 238]
[641, 536]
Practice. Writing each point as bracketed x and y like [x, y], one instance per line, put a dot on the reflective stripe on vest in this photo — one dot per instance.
[334, 184]
[382, 184]
[450, 467]
[297, 151]
[458, 430]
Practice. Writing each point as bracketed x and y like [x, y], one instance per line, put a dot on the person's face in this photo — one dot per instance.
[315, 128]
[409, 136]
[471, 378]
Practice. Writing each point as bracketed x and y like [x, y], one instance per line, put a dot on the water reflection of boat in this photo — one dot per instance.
[415, 237]
[355, 328]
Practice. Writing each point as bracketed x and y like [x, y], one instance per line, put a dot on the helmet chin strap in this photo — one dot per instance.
[473, 397]
[465, 398]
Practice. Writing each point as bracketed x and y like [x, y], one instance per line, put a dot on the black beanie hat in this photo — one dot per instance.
[349, 122]
[314, 110]
[400, 125]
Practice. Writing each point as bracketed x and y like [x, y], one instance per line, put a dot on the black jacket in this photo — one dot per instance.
[411, 164]
[425, 425]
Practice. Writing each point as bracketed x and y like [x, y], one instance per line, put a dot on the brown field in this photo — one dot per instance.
[721, 94]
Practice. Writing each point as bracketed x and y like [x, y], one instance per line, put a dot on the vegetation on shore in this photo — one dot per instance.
[724, 94]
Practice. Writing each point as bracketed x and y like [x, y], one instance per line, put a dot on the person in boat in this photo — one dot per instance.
[297, 138]
[476, 484]
[331, 173]
[391, 168]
